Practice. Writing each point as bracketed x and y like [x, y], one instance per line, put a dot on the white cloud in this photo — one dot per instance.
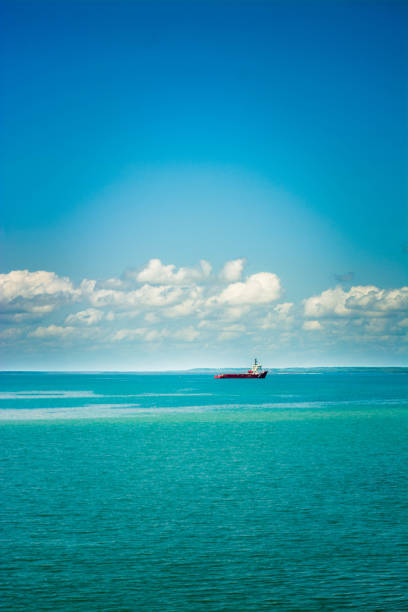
[184, 309]
[28, 285]
[157, 296]
[327, 303]
[52, 331]
[147, 295]
[280, 316]
[233, 313]
[28, 295]
[179, 295]
[368, 300]
[284, 310]
[126, 334]
[42, 310]
[311, 325]
[361, 314]
[259, 288]
[88, 316]
[206, 267]
[101, 297]
[190, 306]
[154, 335]
[24, 310]
[158, 273]
[112, 283]
[232, 270]
[194, 307]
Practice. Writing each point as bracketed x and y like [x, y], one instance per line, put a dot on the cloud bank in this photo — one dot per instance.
[161, 304]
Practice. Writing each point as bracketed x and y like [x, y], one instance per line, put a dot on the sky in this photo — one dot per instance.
[192, 184]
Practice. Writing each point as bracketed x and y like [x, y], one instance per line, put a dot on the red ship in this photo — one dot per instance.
[255, 372]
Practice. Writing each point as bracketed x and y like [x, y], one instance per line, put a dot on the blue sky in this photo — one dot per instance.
[272, 133]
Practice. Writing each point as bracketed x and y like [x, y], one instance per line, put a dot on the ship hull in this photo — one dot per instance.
[260, 375]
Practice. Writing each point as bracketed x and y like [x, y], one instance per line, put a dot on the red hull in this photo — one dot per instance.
[261, 375]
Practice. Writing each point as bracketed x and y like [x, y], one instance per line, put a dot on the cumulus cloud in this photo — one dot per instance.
[184, 309]
[284, 310]
[232, 270]
[26, 295]
[163, 303]
[361, 314]
[190, 306]
[28, 285]
[157, 296]
[147, 295]
[280, 316]
[88, 316]
[369, 300]
[22, 311]
[157, 273]
[233, 313]
[259, 288]
[311, 325]
[330, 302]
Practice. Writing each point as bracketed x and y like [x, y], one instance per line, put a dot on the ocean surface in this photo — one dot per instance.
[159, 493]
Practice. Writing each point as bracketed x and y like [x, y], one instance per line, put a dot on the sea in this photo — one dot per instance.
[178, 492]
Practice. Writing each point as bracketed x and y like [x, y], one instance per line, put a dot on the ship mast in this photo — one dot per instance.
[256, 367]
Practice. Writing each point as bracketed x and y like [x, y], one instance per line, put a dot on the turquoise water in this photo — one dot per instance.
[184, 493]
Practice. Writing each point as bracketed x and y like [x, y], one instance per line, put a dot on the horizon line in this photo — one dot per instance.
[162, 371]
